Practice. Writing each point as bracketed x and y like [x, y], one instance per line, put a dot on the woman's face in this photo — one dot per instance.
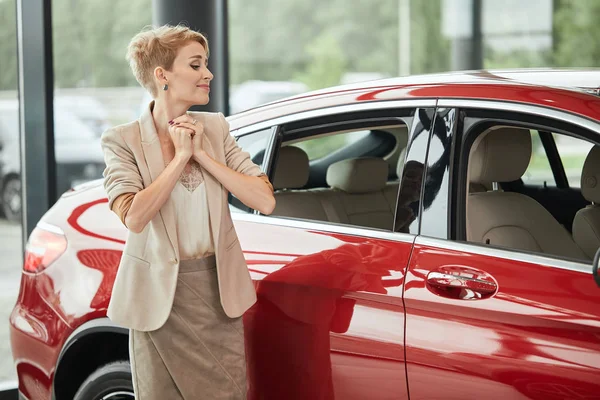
[189, 78]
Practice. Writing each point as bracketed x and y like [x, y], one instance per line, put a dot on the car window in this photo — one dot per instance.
[573, 152]
[320, 147]
[538, 172]
[519, 217]
[341, 175]
[255, 144]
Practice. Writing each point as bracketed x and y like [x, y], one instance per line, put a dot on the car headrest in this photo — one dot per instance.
[501, 154]
[590, 176]
[358, 175]
[292, 168]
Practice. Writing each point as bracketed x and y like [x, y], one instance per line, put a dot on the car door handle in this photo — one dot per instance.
[460, 286]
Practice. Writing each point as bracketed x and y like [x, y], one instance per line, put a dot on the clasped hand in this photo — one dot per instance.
[187, 135]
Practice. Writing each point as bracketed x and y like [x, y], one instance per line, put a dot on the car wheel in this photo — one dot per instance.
[109, 382]
[11, 199]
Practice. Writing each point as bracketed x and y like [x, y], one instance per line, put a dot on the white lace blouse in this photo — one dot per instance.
[191, 212]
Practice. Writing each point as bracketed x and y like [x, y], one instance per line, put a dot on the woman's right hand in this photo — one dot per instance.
[182, 141]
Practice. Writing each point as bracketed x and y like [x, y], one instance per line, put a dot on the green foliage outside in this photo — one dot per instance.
[312, 41]
[89, 40]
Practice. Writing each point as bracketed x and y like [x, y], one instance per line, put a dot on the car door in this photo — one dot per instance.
[490, 322]
[329, 320]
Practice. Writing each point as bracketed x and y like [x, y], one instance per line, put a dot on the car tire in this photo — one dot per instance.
[109, 382]
[11, 199]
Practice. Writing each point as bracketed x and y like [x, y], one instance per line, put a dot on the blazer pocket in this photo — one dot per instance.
[135, 261]
[231, 238]
[233, 242]
[228, 232]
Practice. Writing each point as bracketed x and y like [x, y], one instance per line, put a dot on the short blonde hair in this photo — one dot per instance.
[157, 47]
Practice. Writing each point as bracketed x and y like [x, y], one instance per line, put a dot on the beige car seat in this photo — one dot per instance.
[586, 225]
[509, 219]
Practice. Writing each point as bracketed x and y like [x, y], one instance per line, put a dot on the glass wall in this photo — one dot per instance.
[94, 87]
[11, 250]
[312, 44]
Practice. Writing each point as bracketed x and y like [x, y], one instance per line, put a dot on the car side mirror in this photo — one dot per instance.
[595, 267]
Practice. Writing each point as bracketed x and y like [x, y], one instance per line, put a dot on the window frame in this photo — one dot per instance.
[334, 119]
[278, 121]
[349, 124]
[474, 117]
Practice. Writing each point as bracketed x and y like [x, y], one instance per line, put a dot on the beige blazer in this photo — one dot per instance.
[145, 283]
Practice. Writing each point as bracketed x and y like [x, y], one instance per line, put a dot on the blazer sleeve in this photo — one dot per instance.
[121, 174]
[236, 158]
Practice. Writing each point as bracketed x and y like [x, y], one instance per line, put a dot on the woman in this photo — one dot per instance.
[182, 284]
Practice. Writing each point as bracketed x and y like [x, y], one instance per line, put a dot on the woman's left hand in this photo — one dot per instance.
[187, 121]
[197, 146]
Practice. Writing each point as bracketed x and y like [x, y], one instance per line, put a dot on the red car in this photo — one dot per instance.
[434, 238]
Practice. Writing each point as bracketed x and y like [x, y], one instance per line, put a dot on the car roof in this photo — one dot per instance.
[566, 89]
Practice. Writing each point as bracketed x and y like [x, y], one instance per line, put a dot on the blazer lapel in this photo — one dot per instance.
[214, 190]
[156, 165]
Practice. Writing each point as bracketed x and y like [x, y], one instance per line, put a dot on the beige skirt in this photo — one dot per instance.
[199, 352]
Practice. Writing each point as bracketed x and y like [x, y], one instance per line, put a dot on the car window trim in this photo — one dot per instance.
[568, 117]
[575, 265]
[325, 226]
[343, 109]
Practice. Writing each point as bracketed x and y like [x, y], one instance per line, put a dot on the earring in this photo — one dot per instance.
[165, 87]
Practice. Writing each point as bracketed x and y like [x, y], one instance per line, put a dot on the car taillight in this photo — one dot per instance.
[44, 246]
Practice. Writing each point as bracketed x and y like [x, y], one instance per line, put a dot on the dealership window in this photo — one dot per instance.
[11, 248]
